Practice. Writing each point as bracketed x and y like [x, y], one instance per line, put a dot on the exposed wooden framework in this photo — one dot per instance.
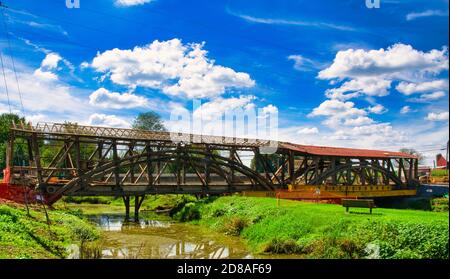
[124, 162]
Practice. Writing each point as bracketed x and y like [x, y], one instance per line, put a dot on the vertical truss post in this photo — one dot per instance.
[149, 166]
[37, 159]
[117, 166]
[291, 167]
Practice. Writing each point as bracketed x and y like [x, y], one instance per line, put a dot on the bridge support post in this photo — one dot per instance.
[137, 205]
[126, 201]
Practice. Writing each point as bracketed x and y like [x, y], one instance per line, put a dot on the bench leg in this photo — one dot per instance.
[371, 210]
[346, 209]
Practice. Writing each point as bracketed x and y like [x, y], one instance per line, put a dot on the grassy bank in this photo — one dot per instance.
[324, 230]
[115, 204]
[23, 236]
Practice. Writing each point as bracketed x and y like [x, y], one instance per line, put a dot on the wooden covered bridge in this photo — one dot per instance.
[71, 159]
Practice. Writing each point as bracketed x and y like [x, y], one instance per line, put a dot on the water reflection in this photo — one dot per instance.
[160, 240]
[119, 223]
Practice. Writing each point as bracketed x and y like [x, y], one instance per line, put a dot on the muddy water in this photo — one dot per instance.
[153, 239]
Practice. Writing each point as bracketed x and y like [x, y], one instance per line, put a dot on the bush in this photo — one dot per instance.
[440, 204]
[189, 212]
[282, 246]
[235, 226]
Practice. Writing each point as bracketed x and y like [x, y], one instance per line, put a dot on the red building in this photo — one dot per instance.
[441, 162]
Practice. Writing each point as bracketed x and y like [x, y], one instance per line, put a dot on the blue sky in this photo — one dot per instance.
[337, 72]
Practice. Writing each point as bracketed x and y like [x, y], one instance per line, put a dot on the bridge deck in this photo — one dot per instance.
[88, 160]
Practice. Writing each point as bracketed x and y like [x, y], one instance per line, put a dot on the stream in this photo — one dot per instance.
[154, 239]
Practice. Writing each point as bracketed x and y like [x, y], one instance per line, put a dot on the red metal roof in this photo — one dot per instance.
[344, 152]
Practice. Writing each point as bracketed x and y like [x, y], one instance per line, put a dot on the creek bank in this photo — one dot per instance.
[318, 231]
[30, 236]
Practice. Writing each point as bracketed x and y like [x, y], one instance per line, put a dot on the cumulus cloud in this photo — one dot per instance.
[428, 97]
[45, 75]
[371, 72]
[370, 86]
[99, 119]
[427, 13]
[340, 113]
[113, 100]
[51, 61]
[175, 68]
[218, 107]
[397, 61]
[437, 116]
[377, 109]
[308, 131]
[44, 96]
[409, 88]
[128, 3]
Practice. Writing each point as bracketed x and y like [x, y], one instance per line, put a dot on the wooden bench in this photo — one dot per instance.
[364, 203]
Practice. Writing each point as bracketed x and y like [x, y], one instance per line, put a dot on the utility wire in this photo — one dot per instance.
[12, 56]
[6, 84]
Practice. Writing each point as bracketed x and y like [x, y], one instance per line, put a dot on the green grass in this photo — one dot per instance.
[23, 236]
[324, 230]
[439, 172]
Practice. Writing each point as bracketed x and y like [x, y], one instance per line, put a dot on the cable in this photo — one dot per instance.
[12, 57]
[6, 84]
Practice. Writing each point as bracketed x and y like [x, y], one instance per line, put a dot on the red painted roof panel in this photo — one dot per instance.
[344, 152]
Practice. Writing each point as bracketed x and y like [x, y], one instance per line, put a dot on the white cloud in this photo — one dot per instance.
[341, 113]
[370, 73]
[51, 61]
[99, 119]
[45, 75]
[409, 88]
[440, 116]
[370, 86]
[308, 131]
[216, 108]
[269, 109]
[428, 97]
[358, 121]
[378, 109]
[128, 3]
[316, 24]
[427, 13]
[405, 109]
[397, 61]
[175, 68]
[107, 99]
[302, 63]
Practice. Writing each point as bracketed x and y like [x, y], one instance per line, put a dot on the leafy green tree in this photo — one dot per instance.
[150, 121]
[6, 120]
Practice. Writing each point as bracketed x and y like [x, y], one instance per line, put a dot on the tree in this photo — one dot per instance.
[6, 120]
[150, 121]
[420, 156]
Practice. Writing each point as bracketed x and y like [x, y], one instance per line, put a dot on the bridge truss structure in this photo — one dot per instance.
[76, 160]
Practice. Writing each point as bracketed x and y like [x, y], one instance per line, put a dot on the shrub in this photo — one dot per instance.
[440, 204]
[282, 246]
[235, 226]
[188, 213]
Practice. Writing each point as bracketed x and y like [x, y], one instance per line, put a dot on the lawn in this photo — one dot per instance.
[324, 230]
[23, 236]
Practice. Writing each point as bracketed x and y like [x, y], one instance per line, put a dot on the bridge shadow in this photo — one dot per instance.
[364, 213]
